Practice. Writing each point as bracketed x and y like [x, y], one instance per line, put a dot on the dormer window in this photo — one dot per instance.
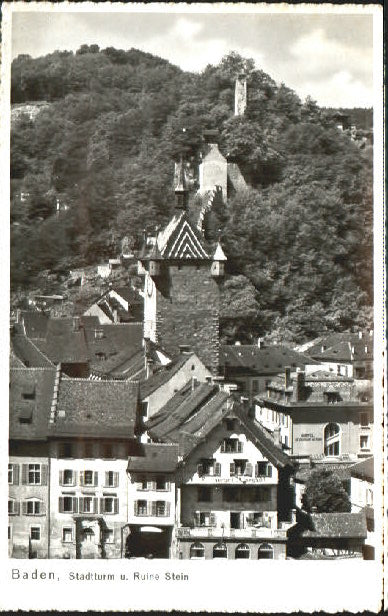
[231, 445]
[28, 393]
[208, 467]
[25, 415]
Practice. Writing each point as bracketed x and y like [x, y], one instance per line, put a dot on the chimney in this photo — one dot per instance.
[287, 376]
[149, 367]
[76, 324]
[299, 386]
[115, 316]
[260, 343]
[314, 509]
[194, 382]
[360, 335]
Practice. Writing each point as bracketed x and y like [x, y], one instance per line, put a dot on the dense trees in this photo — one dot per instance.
[299, 241]
[324, 491]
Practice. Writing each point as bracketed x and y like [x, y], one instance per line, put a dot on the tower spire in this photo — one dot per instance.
[181, 187]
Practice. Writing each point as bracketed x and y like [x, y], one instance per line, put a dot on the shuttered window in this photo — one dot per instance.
[13, 474]
[88, 478]
[67, 477]
[88, 504]
[263, 469]
[109, 505]
[111, 479]
[13, 507]
[68, 504]
[33, 506]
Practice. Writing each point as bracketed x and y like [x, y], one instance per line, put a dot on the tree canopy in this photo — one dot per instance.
[325, 492]
[102, 156]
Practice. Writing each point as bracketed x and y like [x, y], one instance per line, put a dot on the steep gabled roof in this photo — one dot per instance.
[154, 457]
[30, 397]
[192, 414]
[163, 375]
[88, 408]
[118, 343]
[180, 239]
[338, 346]
[28, 352]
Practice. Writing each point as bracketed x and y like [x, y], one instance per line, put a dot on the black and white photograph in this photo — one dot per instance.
[192, 314]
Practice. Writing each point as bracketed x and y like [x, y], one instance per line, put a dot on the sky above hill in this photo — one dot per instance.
[326, 56]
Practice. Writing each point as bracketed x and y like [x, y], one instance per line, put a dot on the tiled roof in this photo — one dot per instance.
[129, 294]
[34, 323]
[338, 347]
[28, 352]
[180, 239]
[190, 416]
[63, 344]
[336, 526]
[38, 385]
[364, 469]
[164, 374]
[119, 343]
[155, 457]
[101, 408]
[265, 360]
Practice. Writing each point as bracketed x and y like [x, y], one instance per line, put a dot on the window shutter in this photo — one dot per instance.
[61, 478]
[168, 509]
[116, 505]
[168, 486]
[232, 469]
[43, 478]
[95, 478]
[269, 470]
[75, 505]
[16, 507]
[116, 479]
[102, 508]
[212, 519]
[42, 508]
[197, 519]
[223, 447]
[248, 469]
[81, 504]
[239, 447]
[256, 470]
[200, 470]
[95, 504]
[24, 507]
[106, 478]
[82, 478]
[135, 508]
[60, 504]
[75, 478]
[24, 473]
[217, 469]
[153, 485]
[16, 474]
[153, 508]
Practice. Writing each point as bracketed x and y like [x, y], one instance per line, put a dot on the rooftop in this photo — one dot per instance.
[336, 526]
[364, 470]
[262, 360]
[163, 375]
[30, 396]
[155, 457]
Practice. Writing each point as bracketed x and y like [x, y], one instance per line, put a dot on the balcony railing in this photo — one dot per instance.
[238, 533]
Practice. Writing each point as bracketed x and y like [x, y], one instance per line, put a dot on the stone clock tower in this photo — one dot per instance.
[182, 285]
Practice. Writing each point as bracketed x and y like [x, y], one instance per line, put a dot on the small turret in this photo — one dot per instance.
[240, 95]
[154, 261]
[218, 264]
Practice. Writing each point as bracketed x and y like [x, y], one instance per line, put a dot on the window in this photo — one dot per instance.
[144, 409]
[161, 483]
[231, 445]
[33, 506]
[88, 504]
[88, 478]
[13, 474]
[364, 420]
[66, 450]
[161, 508]
[230, 424]
[332, 440]
[263, 469]
[67, 477]
[197, 551]
[141, 507]
[265, 551]
[109, 535]
[204, 494]
[13, 507]
[109, 504]
[242, 551]
[10, 473]
[107, 450]
[9, 532]
[332, 397]
[364, 442]
[35, 533]
[111, 479]
[209, 467]
[34, 474]
[204, 518]
[67, 534]
[241, 467]
[88, 450]
[88, 535]
[220, 551]
[142, 484]
[67, 504]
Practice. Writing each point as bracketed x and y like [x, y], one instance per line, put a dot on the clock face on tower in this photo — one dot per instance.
[150, 286]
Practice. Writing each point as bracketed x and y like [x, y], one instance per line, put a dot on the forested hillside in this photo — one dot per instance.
[299, 241]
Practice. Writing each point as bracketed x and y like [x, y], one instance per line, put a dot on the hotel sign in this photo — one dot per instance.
[308, 436]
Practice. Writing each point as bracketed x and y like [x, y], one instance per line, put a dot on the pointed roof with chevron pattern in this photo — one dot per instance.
[181, 240]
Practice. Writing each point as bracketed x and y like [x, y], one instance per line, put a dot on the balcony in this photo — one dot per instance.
[199, 532]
